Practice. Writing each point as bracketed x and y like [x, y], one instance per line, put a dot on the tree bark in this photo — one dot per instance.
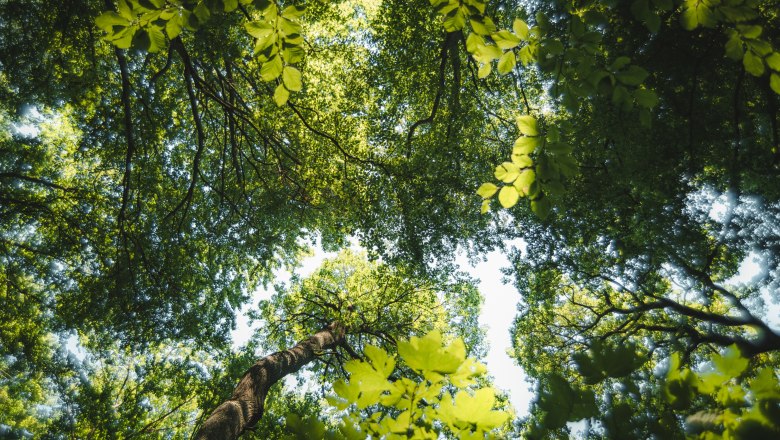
[245, 406]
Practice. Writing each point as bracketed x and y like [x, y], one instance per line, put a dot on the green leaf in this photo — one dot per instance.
[759, 47]
[749, 31]
[281, 95]
[291, 77]
[124, 38]
[653, 22]
[483, 25]
[505, 39]
[619, 63]
[522, 161]
[289, 28]
[230, 5]
[507, 172]
[773, 61]
[476, 410]
[525, 145]
[124, 10]
[156, 38]
[381, 361]
[528, 54]
[429, 354]
[554, 187]
[293, 11]
[753, 64]
[527, 125]
[774, 82]
[734, 47]
[507, 62]
[633, 76]
[553, 134]
[485, 208]
[473, 42]
[271, 69]
[521, 29]
[455, 21]
[646, 98]
[486, 54]
[259, 29]
[541, 207]
[765, 385]
[292, 54]
[141, 40]
[524, 181]
[620, 95]
[348, 392]
[731, 362]
[640, 9]
[202, 12]
[558, 148]
[508, 196]
[688, 19]
[487, 190]
[484, 70]
[108, 20]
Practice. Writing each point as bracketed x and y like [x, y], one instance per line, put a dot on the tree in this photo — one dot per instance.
[172, 154]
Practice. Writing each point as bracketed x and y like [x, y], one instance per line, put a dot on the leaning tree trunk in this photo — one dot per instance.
[245, 407]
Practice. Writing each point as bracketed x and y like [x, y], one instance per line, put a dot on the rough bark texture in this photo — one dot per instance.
[245, 407]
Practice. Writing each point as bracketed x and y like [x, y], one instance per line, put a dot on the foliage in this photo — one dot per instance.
[159, 160]
[376, 303]
[446, 395]
[740, 405]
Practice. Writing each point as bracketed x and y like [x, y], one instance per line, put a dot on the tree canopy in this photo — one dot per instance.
[162, 160]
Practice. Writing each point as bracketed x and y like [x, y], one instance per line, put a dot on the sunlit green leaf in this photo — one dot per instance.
[487, 190]
[281, 95]
[291, 77]
[507, 172]
[527, 125]
[506, 63]
[520, 28]
[508, 196]
[525, 145]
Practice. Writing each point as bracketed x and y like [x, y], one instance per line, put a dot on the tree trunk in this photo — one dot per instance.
[245, 407]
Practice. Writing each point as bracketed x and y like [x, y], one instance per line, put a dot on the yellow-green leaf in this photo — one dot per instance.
[753, 64]
[507, 62]
[520, 28]
[484, 70]
[524, 181]
[527, 125]
[774, 83]
[271, 69]
[507, 172]
[508, 196]
[108, 20]
[259, 29]
[505, 39]
[525, 145]
[773, 61]
[292, 78]
[281, 95]
[293, 11]
[487, 190]
[522, 161]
